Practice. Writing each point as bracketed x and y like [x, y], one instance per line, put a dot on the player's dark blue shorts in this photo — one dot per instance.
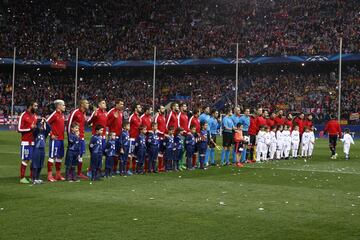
[26, 152]
[56, 149]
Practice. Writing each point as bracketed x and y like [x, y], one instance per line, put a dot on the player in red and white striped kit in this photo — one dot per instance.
[114, 124]
[27, 123]
[56, 144]
[161, 122]
[78, 116]
[99, 117]
[146, 120]
[194, 121]
[183, 118]
[135, 123]
[172, 118]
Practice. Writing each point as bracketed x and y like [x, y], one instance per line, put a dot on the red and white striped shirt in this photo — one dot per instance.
[146, 121]
[98, 117]
[57, 122]
[194, 121]
[184, 122]
[24, 127]
[135, 123]
[80, 118]
[160, 120]
[115, 123]
[172, 120]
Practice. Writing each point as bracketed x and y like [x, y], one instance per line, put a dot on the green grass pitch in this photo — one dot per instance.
[294, 199]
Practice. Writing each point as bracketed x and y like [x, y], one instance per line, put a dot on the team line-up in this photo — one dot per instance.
[151, 144]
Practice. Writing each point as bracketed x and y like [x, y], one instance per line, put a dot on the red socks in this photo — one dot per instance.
[22, 170]
[146, 164]
[79, 169]
[116, 162]
[161, 163]
[133, 164]
[50, 166]
[128, 164]
[194, 160]
[58, 167]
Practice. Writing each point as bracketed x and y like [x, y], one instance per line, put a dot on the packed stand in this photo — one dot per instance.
[110, 30]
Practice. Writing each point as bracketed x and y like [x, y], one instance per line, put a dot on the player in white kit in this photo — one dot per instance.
[305, 140]
[273, 143]
[347, 140]
[286, 141]
[311, 142]
[280, 143]
[295, 141]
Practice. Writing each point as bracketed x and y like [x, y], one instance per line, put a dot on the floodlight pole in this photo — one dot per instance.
[13, 85]
[340, 64]
[154, 78]
[237, 75]
[76, 76]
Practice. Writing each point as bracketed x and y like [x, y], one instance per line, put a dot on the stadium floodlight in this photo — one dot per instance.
[154, 78]
[237, 75]
[13, 85]
[76, 76]
[340, 63]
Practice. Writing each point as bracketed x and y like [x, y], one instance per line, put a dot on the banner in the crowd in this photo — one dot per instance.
[185, 62]
[354, 116]
[343, 122]
[282, 106]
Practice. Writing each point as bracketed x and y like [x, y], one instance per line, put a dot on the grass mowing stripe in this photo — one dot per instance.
[284, 200]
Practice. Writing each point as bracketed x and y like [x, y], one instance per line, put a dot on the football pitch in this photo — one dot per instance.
[289, 199]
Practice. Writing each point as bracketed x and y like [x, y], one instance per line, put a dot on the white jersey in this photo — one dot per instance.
[347, 139]
[273, 137]
[279, 137]
[312, 137]
[260, 138]
[305, 138]
[295, 136]
[286, 136]
[267, 137]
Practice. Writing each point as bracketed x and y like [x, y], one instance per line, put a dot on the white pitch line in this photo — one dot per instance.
[275, 168]
[309, 170]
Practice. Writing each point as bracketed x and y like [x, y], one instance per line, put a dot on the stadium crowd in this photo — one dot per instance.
[111, 30]
[314, 93]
